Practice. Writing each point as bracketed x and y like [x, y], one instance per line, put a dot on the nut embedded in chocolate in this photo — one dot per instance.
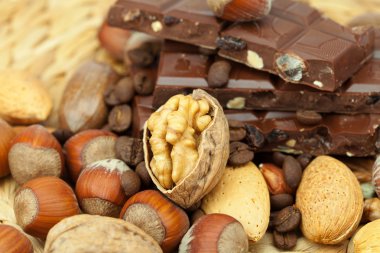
[255, 137]
[230, 43]
[120, 118]
[290, 67]
[219, 74]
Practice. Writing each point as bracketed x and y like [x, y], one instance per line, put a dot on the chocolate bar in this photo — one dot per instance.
[294, 41]
[183, 68]
[336, 134]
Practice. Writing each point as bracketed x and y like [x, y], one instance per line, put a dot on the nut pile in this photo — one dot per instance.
[186, 182]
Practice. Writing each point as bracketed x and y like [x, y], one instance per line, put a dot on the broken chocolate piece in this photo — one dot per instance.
[336, 134]
[183, 68]
[294, 41]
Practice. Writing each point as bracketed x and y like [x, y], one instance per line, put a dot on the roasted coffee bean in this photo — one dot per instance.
[120, 118]
[280, 201]
[254, 137]
[62, 135]
[237, 130]
[240, 154]
[143, 83]
[120, 93]
[272, 216]
[292, 172]
[308, 117]
[288, 219]
[219, 74]
[285, 241]
[304, 160]
[278, 158]
[144, 55]
[130, 150]
[130, 182]
[143, 173]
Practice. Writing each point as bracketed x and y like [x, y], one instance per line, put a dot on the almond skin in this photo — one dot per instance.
[330, 200]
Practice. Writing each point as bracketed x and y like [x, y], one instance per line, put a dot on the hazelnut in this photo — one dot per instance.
[275, 178]
[43, 202]
[87, 147]
[240, 10]
[34, 153]
[99, 187]
[6, 137]
[14, 241]
[158, 217]
[113, 40]
[215, 233]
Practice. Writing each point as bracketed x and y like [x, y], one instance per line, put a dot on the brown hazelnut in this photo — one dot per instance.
[6, 137]
[158, 217]
[87, 147]
[99, 187]
[35, 153]
[240, 10]
[214, 232]
[14, 241]
[43, 202]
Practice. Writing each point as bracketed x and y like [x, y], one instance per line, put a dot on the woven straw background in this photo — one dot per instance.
[50, 38]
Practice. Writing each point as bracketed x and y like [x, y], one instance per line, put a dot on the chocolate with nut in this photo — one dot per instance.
[336, 134]
[183, 68]
[294, 41]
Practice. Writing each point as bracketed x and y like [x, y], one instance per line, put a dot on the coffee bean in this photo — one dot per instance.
[292, 172]
[130, 150]
[254, 137]
[62, 135]
[144, 55]
[120, 118]
[285, 241]
[130, 182]
[237, 131]
[288, 219]
[120, 93]
[272, 216]
[143, 83]
[240, 154]
[278, 158]
[142, 171]
[280, 201]
[219, 74]
[308, 117]
[304, 160]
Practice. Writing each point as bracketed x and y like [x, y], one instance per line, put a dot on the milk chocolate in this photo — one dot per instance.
[183, 68]
[294, 41]
[336, 134]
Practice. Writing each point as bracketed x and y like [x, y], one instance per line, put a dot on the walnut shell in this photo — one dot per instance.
[92, 233]
[213, 152]
[330, 200]
[367, 239]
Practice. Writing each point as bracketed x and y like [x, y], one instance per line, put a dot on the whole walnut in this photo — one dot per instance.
[186, 146]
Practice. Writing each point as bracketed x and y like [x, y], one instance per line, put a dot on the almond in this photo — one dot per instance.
[23, 98]
[330, 200]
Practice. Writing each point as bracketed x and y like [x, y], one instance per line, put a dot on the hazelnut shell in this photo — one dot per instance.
[6, 137]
